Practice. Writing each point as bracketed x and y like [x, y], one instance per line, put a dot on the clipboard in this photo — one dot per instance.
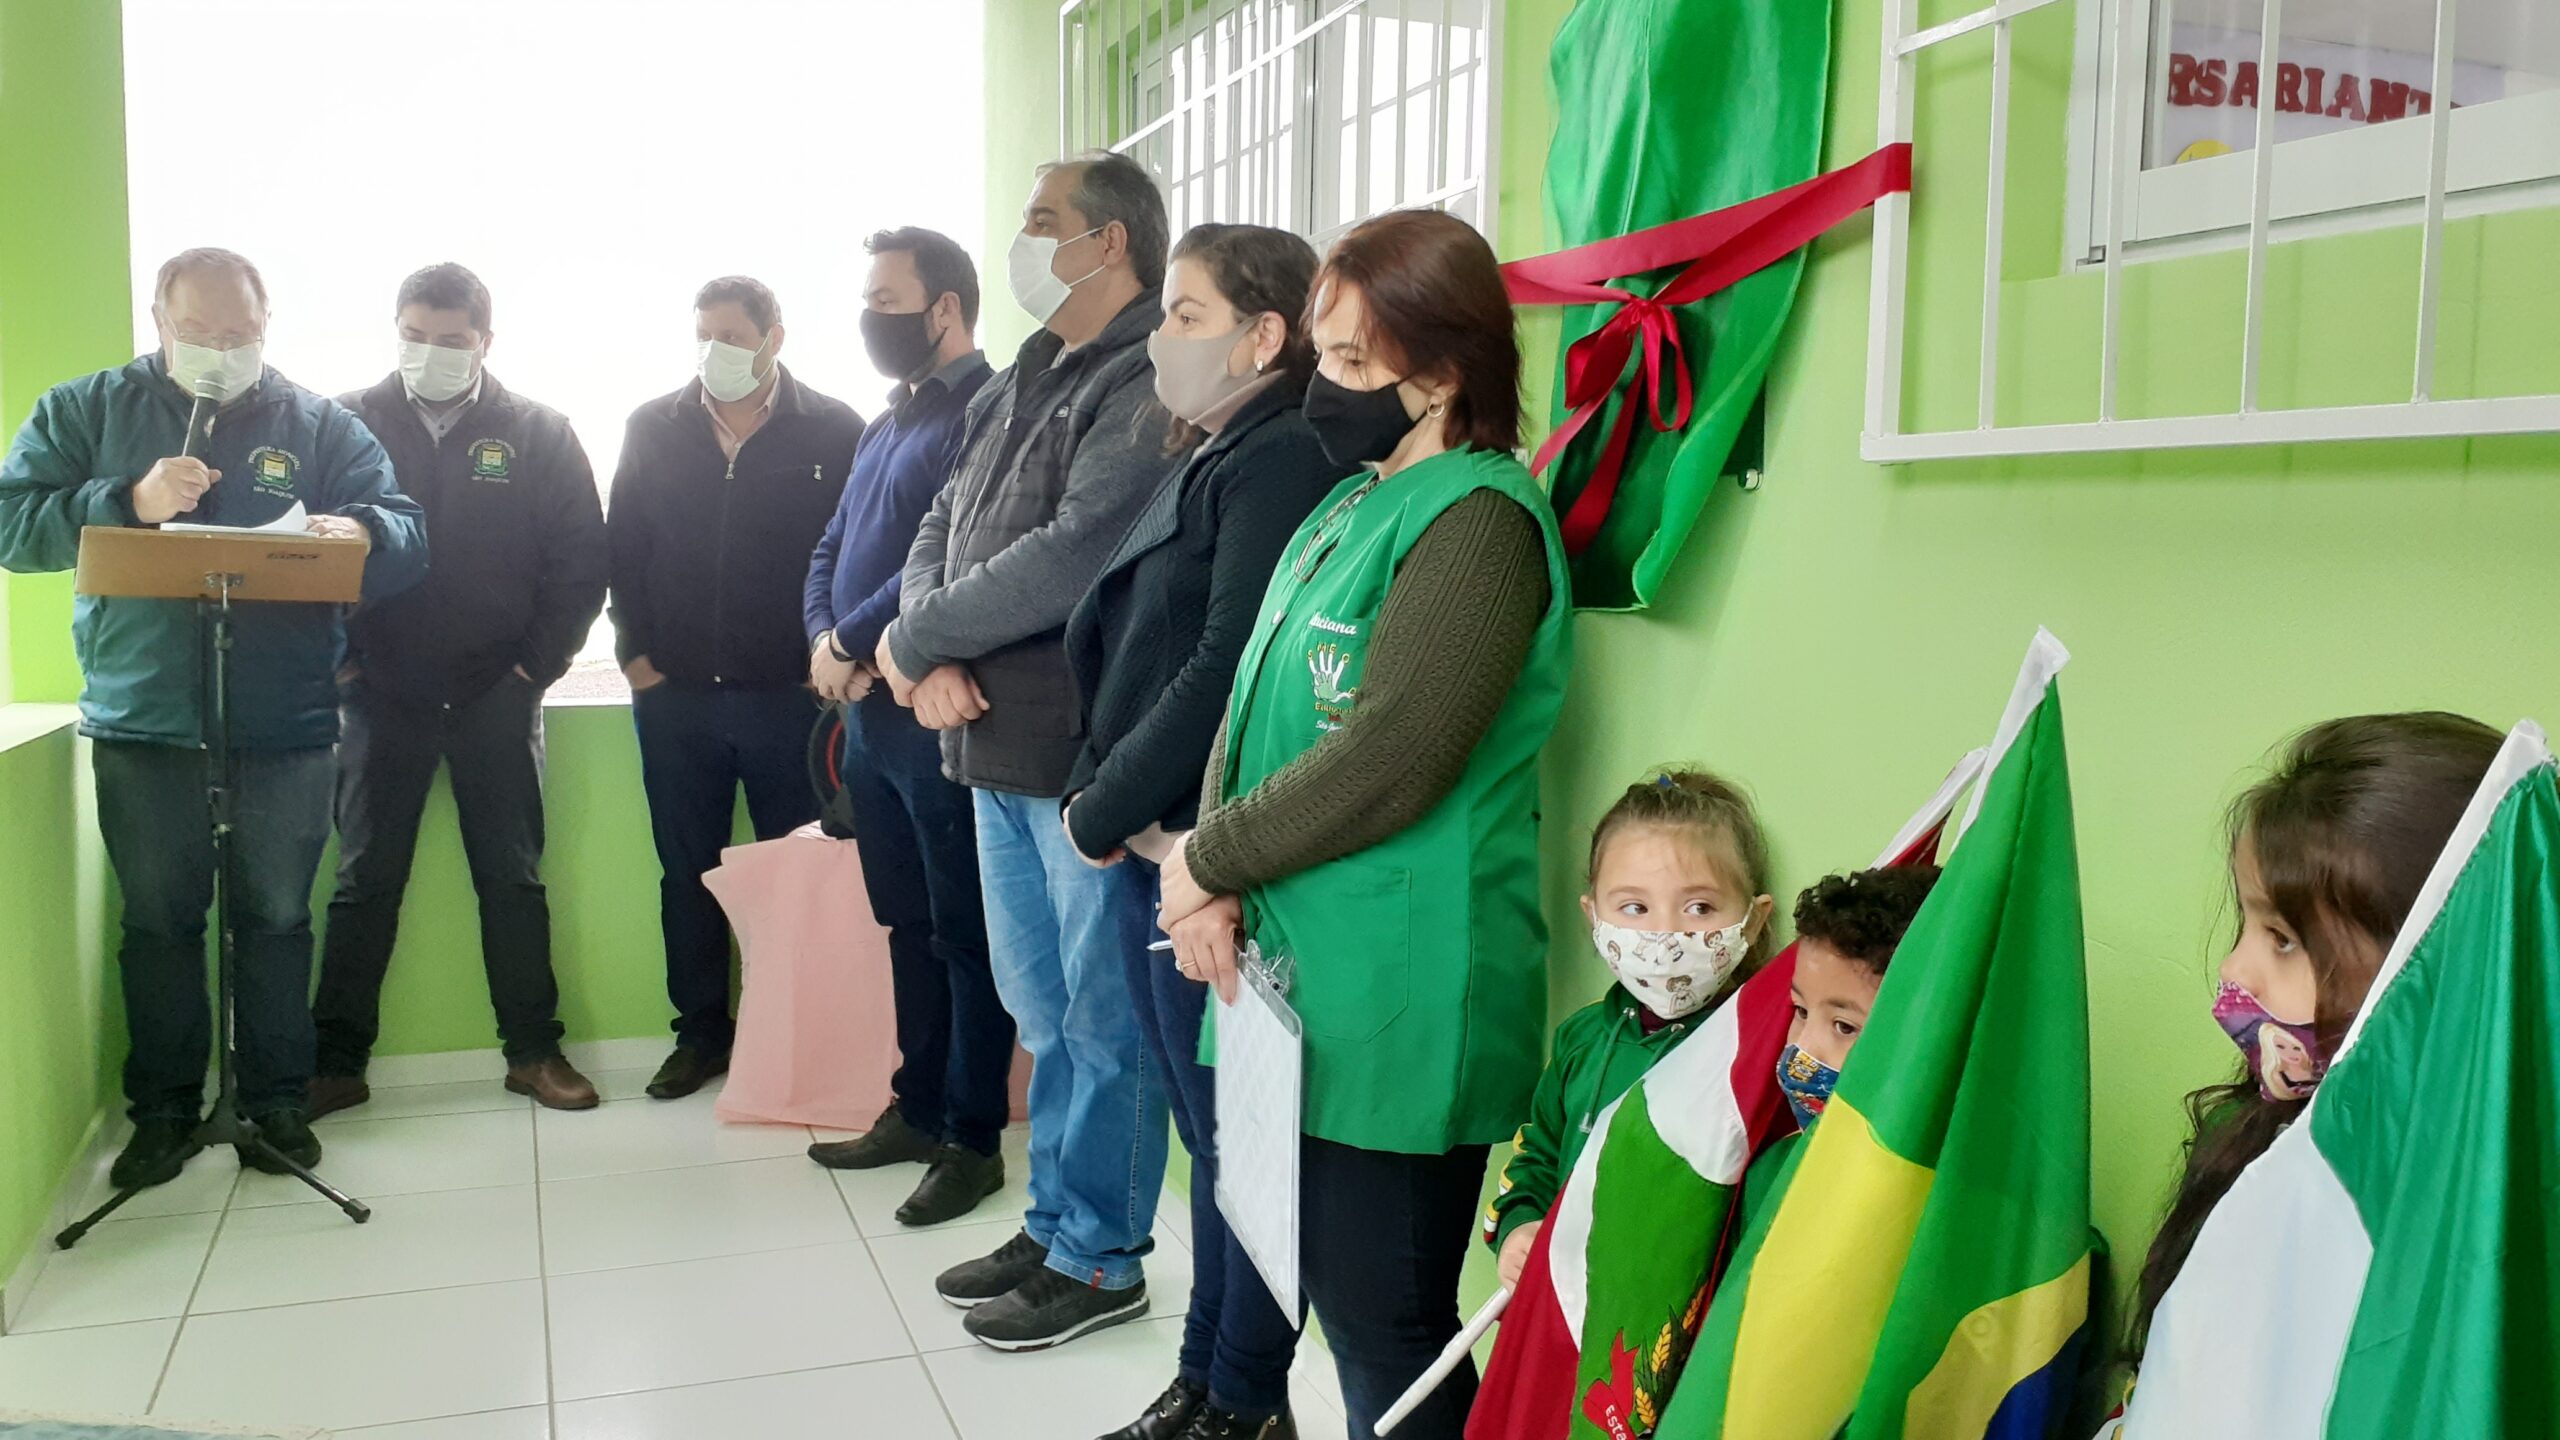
[1261, 1094]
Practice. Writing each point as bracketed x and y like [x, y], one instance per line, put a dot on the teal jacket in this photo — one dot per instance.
[74, 464]
[1600, 1052]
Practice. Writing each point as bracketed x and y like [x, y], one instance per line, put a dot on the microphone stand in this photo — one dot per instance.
[226, 1125]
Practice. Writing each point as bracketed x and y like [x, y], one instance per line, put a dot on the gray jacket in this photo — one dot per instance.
[1060, 453]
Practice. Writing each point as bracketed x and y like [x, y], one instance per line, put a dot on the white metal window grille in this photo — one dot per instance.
[1309, 115]
[2347, 71]
[2421, 415]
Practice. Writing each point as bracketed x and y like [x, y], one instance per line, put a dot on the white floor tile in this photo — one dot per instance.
[1089, 1386]
[1317, 1417]
[109, 1370]
[892, 1398]
[370, 1159]
[1173, 1217]
[295, 1254]
[609, 1221]
[909, 1263]
[124, 1270]
[623, 1139]
[875, 1195]
[407, 1102]
[1314, 1374]
[528, 1424]
[634, 1085]
[373, 1361]
[204, 1186]
[618, 1331]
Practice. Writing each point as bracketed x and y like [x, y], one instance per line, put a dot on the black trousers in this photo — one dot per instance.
[918, 836]
[698, 745]
[1382, 1238]
[154, 816]
[388, 753]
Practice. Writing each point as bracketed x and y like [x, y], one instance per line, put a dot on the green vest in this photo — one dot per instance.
[1420, 961]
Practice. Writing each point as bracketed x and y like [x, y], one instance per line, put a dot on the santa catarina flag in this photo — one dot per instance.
[1618, 1279]
[1923, 1274]
[2391, 1266]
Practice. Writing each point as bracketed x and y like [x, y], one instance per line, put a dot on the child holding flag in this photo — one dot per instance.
[2328, 856]
[1846, 929]
[1679, 906]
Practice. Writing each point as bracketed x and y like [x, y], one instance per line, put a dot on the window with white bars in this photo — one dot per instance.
[1309, 115]
[2098, 330]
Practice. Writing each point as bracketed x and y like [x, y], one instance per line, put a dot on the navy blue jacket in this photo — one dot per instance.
[905, 457]
[75, 464]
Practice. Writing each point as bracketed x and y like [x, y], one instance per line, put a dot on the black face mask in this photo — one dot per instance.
[1356, 427]
[900, 346]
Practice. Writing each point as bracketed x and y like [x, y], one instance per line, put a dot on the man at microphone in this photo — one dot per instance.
[201, 430]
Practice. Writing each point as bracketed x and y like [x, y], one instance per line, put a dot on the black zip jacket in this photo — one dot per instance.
[709, 553]
[519, 570]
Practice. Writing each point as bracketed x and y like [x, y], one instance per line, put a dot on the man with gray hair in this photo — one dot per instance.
[113, 449]
[1058, 455]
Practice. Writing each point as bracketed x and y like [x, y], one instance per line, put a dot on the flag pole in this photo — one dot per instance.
[1455, 1351]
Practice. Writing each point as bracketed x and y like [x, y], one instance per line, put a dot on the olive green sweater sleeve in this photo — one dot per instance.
[1451, 636]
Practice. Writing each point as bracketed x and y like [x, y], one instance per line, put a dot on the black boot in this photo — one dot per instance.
[1212, 1423]
[1168, 1416]
[289, 1134]
[959, 1179]
[685, 1071]
[158, 1150]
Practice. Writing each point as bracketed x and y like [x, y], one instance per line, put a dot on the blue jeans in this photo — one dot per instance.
[153, 814]
[1236, 1342]
[918, 834]
[698, 745]
[1061, 933]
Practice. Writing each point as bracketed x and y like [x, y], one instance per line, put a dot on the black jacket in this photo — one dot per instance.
[519, 565]
[709, 553]
[1155, 643]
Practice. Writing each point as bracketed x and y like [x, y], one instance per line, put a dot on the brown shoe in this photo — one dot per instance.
[553, 1083]
[332, 1093]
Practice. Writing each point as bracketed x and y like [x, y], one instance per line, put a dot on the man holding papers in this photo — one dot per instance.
[114, 449]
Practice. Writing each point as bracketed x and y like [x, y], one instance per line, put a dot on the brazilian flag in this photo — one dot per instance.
[1923, 1270]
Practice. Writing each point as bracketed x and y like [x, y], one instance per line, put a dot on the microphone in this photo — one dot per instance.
[199, 423]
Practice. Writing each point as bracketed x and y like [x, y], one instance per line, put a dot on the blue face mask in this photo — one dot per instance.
[1808, 1083]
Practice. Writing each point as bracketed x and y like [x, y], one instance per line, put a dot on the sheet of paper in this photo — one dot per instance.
[1261, 1075]
[292, 522]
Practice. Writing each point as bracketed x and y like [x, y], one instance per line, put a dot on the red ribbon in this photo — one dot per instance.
[1716, 249]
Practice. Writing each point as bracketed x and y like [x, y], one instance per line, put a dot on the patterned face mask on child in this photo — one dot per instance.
[1808, 1083]
[1674, 973]
[2286, 1056]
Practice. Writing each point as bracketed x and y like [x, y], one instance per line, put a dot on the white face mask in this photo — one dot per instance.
[1036, 287]
[728, 371]
[436, 373]
[217, 375]
[1671, 972]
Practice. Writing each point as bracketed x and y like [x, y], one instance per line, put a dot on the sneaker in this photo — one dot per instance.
[975, 1282]
[158, 1150]
[1169, 1417]
[333, 1093]
[288, 1132]
[889, 1141]
[1049, 1309]
[959, 1179]
[1212, 1423]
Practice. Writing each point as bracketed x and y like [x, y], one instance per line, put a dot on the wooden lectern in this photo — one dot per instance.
[215, 569]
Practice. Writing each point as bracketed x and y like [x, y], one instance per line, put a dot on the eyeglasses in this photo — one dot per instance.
[214, 342]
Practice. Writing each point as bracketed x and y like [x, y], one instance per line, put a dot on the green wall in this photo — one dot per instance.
[63, 309]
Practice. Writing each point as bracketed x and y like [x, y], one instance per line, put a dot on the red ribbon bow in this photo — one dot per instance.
[1716, 249]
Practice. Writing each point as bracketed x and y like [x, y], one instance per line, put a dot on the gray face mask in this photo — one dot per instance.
[1191, 371]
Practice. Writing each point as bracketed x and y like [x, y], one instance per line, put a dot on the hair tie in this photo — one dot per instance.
[1662, 782]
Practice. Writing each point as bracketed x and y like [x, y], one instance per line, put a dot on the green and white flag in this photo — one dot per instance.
[2390, 1268]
